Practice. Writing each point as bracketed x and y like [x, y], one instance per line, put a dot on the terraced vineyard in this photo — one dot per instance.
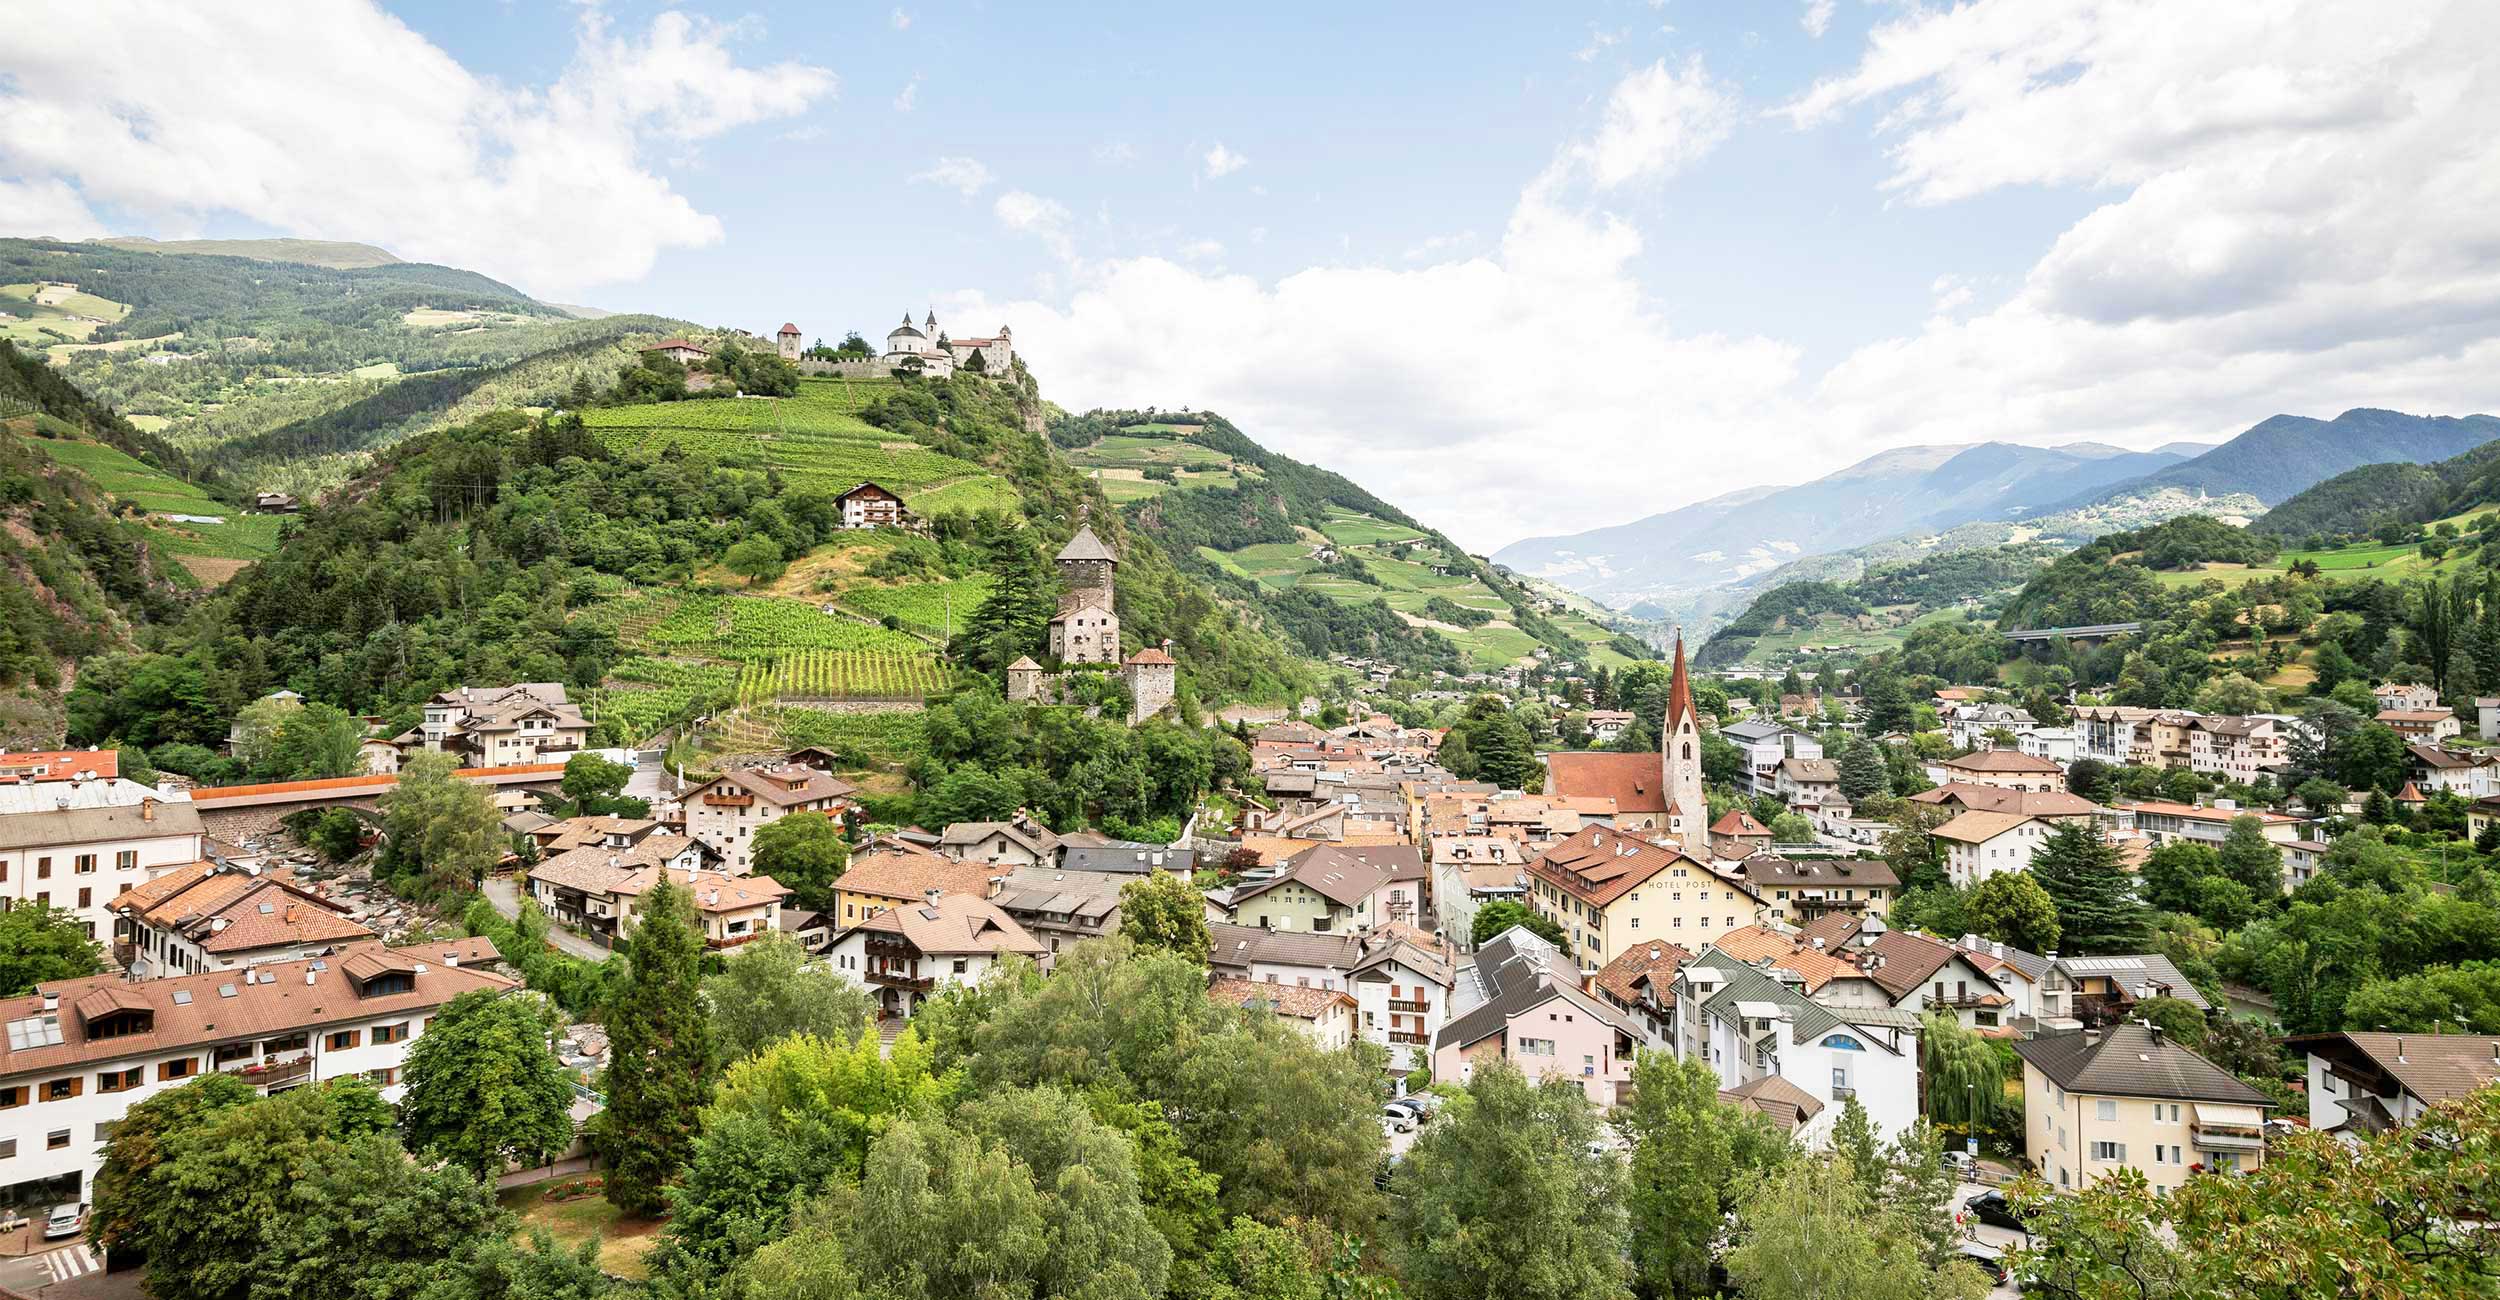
[235, 536]
[816, 440]
[842, 675]
[865, 738]
[747, 627]
[929, 608]
[650, 694]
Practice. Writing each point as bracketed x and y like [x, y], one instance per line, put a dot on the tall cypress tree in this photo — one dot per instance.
[2097, 910]
[662, 1044]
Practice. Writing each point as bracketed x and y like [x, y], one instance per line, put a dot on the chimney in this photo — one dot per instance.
[147, 810]
[310, 977]
[2155, 1031]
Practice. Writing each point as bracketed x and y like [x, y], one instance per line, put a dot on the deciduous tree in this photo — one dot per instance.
[40, 944]
[1505, 1198]
[771, 989]
[1162, 911]
[484, 1088]
[807, 852]
[2011, 907]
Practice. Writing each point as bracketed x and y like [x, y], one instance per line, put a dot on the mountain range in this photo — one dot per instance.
[1699, 560]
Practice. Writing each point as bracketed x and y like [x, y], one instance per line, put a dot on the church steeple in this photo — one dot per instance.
[1679, 756]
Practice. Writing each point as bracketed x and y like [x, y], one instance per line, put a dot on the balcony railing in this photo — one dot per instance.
[2228, 1139]
[899, 980]
[1403, 1038]
[263, 1072]
[732, 941]
[1403, 1004]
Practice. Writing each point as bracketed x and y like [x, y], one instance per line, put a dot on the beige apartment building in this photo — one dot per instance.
[2128, 1097]
[1609, 891]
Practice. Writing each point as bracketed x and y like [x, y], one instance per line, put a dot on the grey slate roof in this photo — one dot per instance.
[1518, 973]
[64, 827]
[2128, 1061]
[1129, 859]
[1086, 546]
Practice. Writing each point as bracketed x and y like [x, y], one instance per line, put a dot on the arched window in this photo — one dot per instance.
[1688, 751]
[1845, 1043]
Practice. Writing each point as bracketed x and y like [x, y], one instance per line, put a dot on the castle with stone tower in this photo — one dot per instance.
[1086, 630]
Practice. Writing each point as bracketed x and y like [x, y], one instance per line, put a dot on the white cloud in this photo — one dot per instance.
[1817, 18]
[900, 21]
[1115, 153]
[1031, 214]
[335, 120]
[1659, 120]
[2300, 217]
[965, 176]
[1202, 250]
[1222, 162]
[2293, 215]
[909, 98]
[1477, 390]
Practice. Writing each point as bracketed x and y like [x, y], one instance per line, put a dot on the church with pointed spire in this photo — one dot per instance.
[1659, 793]
[1679, 755]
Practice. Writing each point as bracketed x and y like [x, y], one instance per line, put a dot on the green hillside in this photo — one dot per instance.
[1338, 569]
[2391, 496]
[284, 373]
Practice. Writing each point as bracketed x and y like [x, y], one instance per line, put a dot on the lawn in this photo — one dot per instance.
[578, 1218]
[815, 438]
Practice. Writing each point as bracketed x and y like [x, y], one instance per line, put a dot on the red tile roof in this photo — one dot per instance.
[1599, 865]
[1636, 782]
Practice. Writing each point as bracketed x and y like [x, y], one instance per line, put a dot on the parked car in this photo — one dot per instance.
[1961, 1164]
[62, 1222]
[1997, 1212]
[1396, 1121]
[1404, 1110]
[1989, 1259]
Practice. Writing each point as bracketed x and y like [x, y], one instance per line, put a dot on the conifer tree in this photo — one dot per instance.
[2097, 910]
[662, 1049]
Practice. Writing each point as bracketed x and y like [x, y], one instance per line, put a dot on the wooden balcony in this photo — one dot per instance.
[1405, 1039]
[1404, 1004]
[899, 980]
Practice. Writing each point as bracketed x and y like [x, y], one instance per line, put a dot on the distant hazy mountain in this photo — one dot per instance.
[1667, 559]
[2277, 459]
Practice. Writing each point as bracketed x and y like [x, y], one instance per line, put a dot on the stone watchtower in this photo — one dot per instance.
[1024, 680]
[788, 341]
[1086, 630]
[1152, 679]
[1085, 562]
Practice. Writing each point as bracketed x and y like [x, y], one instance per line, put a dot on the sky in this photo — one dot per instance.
[1518, 272]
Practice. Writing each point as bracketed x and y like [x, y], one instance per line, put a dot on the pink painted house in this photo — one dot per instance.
[1533, 1012]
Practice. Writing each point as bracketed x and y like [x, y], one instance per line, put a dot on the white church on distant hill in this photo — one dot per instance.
[940, 355]
[921, 349]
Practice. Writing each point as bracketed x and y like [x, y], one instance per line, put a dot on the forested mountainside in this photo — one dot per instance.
[2284, 454]
[77, 577]
[1326, 562]
[2359, 501]
[282, 373]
